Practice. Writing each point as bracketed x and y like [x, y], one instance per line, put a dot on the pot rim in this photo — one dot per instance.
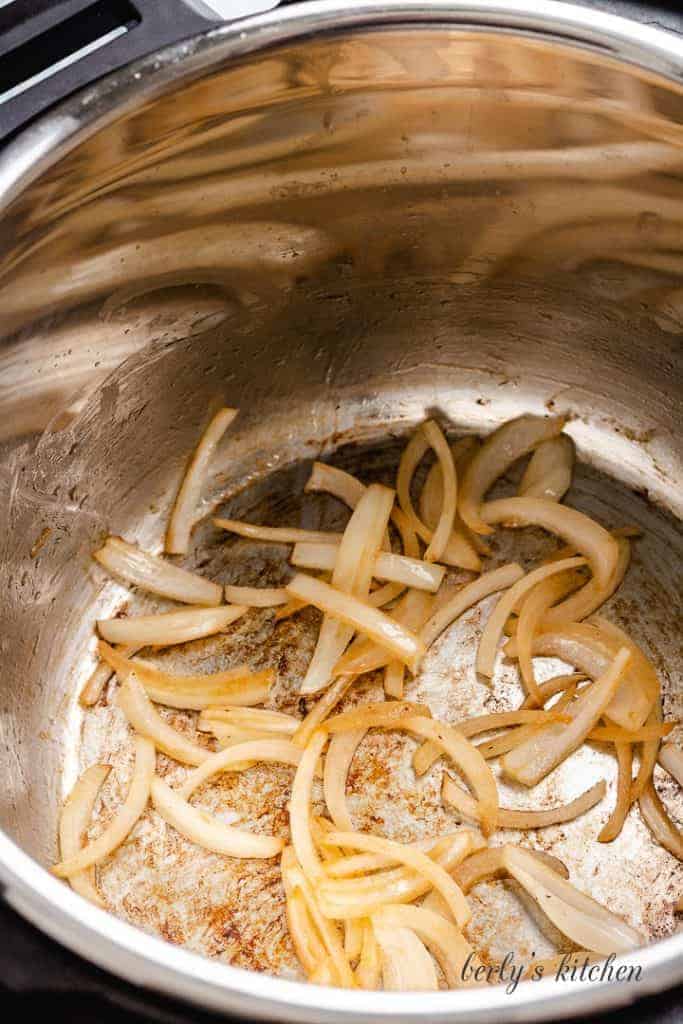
[98, 936]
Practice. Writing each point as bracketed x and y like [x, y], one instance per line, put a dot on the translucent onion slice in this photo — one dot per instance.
[294, 876]
[411, 858]
[464, 755]
[276, 534]
[155, 574]
[493, 630]
[533, 760]
[648, 756]
[549, 473]
[426, 755]
[252, 718]
[406, 964]
[140, 713]
[337, 763]
[490, 864]
[614, 734]
[300, 809]
[335, 481]
[532, 612]
[579, 917]
[354, 613]
[412, 572]
[443, 939]
[258, 597]
[514, 737]
[278, 751]
[591, 650]
[591, 596]
[321, 709]
[369, 970]
[429, 435]
[499, 451]
[577, 529]
[208, 832]
[234, 686]
[101, 674]
[352, 575]
[370, 716]
[671, 759]
[307, 944]
[460, 549]
[656, 818]
[467, 596]
[168, 628]
[446, 850]
[325, 973]
[353, 938]
[524, 819]
[615, 822]
[123, 821]
[551, 687]
[187, 501]
[394, 675]
[74, 819]
[363, 655]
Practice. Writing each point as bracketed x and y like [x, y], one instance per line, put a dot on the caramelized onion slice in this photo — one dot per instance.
[234, 686]
[671, 760]
[277, 751]
[579, 917]
[155, 574]
[656, 818]
[499, 451]
[140, 713]
[411, 858]
[412, 572]
[208, 832]
[123, 821]
[549, 473]
[74, 819]
[456, 796]
[168, 628]
[406, 964]
[490, 864]
[369, 970]
[591, 595]
[443, 939]
[100, 676]
[466, 597]
[577, 529]
[300, 809]
[307, 943]
[534, 759]
[615, 822]
[350, 611]
[488, 645]
[185, 507]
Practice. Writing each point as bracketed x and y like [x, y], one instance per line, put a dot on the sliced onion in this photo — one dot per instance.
[444, 940]
[429, 435]
[551, 687]
[252, 718]
[500, 450]
[406, 964]
[140, 713]
[276, 751]
[155, 574]
[591, 596]
[488, 645]
[276, 534]
[335, 481]
[325, 973]
[671, 760]
[185, 508]
[257, 597]
[467, 596]
[412, 572]
[614, 734]
[580, 918]
[448, 850]
[490, 864]
[533, 760]
[101, 674]
[579, 530]
[409, 857]
[300, 809]
[532, 612]
[369, 970]
[352, 575]
[589, 649]
[615, 822]
[168, 628]
[294, 876]
[460, 549]
[394, 675]
[337, 763]
[234, 686]
[321, 709]
[370, 716]
[74, 819]
[353, 938]
[363, 655]
[426, 755]
[514, 737]
[307, 944]
[354, 613]
[549, 473]
[658, 821]
[123, 821]
[208, 832]
[456, 796]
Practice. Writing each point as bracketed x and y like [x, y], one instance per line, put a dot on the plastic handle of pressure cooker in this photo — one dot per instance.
[52, 48]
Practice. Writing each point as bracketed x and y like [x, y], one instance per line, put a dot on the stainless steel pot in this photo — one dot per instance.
[338, 218]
